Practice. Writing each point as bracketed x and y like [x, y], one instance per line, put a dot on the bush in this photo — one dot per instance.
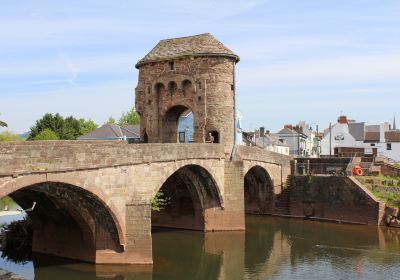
[10, 136]
[46, 134]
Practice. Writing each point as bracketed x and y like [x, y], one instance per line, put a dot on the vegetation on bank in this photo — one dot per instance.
[159, 202]
[383, 187]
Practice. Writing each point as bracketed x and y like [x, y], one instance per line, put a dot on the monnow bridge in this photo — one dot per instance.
[93, 198]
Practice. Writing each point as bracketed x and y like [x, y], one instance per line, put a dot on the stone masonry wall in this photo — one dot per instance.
[204, 85]
[334, 198]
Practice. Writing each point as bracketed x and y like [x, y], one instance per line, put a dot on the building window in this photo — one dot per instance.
[172, 87]
[389, 146]
[372, 145]
[171, 65]
[159, 87]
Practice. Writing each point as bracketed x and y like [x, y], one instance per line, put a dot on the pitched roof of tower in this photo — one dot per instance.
[197, 45]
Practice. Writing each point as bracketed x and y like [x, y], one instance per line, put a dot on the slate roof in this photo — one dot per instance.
[197, 45]
[287, 131]
[270, 139]
[113, 131]
[357, 130]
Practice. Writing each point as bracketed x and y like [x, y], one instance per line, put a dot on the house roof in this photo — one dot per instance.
[357, 130]
[372, 128]
[270, 139]
[392, 136]
[197, 45]
[287, 131]
[113, 131]
[372, 137]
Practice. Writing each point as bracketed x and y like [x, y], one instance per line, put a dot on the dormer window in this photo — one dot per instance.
[171, 66]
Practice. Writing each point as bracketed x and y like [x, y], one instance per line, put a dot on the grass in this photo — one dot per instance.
[391, 198]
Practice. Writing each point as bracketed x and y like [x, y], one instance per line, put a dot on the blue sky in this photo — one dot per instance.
[300, 60]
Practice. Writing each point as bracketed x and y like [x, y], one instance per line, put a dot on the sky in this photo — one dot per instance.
[308, 60]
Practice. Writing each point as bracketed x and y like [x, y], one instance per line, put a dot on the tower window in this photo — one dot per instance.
[171, 65]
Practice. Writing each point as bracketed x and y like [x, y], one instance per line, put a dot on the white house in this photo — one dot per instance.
[384, 137]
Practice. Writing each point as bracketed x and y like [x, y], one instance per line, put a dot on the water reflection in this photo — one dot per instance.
[271, 248]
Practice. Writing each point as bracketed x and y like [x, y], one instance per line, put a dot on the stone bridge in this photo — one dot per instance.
[94, 197]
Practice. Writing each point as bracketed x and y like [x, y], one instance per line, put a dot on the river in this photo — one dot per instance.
[271, 248]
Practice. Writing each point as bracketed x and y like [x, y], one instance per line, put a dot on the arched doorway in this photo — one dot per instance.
[170, 123]
[190, 192]
[186, 127]
[68, 221]
[258, 191]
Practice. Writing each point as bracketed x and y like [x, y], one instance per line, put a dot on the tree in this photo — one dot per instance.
[87, 126]
[130, 117]
[65, 128]
[111, 120]
[9, 136]
[46, 134]
[50, 121]
[159, 202]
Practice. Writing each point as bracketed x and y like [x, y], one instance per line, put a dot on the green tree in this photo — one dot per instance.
[71, 129]
[68, 128]
[47, 134]
[130, 117]
[50, 121]
[9, 136]
[111, 120]
[87, 126]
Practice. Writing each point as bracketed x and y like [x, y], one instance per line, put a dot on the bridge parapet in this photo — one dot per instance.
[54, 156]
[262, 155]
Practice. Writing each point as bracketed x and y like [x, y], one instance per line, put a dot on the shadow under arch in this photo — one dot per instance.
[170, 119]
[191, 192]
[69, 221]
[258, 191]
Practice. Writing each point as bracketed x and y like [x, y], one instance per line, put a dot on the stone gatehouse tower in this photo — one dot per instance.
[195, 73]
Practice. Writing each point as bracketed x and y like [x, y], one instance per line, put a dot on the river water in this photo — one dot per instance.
[271, 248]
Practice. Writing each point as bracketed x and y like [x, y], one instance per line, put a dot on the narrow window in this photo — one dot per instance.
[172, 87]
[171, 65]
[389, 146]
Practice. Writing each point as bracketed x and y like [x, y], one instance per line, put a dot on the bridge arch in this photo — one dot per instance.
[68, 220]
[192, 194]
[258, 190]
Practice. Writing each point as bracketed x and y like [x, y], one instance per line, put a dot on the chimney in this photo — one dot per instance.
[342, 120]
[382, 133]
[262, 131]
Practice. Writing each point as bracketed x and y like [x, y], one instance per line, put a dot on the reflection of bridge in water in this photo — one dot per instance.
[271, 248]
[93, 198]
